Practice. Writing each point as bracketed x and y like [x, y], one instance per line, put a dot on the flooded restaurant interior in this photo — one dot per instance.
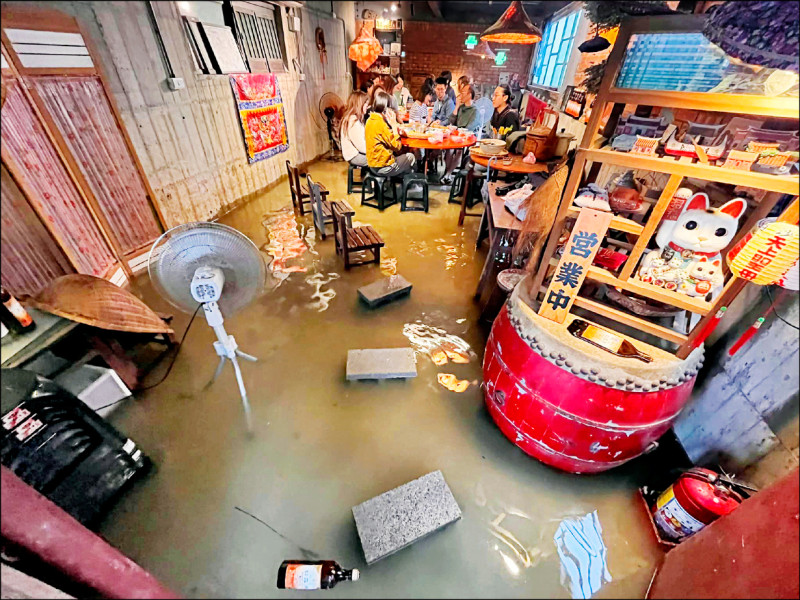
[413, 299]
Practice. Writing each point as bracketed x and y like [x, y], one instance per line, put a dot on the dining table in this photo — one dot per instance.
[500, 163]
[446, 144]
[515, 165]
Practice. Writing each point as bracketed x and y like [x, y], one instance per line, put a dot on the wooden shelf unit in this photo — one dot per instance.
[676, 299]
[617, 223]
[591, 150]
[675, 166]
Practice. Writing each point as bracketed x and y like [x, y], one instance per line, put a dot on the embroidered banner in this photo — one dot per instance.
[260, 106]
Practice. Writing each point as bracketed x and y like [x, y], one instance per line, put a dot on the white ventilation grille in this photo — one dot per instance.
[49, 49]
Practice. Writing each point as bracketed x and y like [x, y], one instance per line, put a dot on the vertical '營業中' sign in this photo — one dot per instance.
[579, 252]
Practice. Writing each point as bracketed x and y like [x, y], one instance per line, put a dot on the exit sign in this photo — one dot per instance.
[500, 57]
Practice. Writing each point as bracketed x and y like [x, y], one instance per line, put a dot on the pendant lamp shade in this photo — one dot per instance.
[596, 44]
[482, 50]
[758, 33]
[514, 27]
[364, 49]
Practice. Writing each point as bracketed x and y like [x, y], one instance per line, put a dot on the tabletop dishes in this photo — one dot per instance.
[492, 146]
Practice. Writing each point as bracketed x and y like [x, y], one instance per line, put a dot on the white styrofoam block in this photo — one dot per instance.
[97, 387]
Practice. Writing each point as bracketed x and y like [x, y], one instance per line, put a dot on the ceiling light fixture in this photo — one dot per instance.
[514, 27]
[481, 50]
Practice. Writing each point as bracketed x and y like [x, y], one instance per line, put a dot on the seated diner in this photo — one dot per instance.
[444, 105]
[352, 134]
[505, 119]
[383, 141]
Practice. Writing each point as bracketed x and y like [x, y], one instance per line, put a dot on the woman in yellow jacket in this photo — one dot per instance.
[383, 140]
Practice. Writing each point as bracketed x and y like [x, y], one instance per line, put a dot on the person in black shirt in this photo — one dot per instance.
[367, 86]
[505, 119]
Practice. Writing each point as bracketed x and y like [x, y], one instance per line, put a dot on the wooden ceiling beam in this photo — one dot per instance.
[436, 8]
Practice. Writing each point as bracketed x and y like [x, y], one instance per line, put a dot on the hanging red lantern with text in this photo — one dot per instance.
[766, 254]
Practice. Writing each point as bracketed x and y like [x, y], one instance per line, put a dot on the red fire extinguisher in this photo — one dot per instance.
[697, 498]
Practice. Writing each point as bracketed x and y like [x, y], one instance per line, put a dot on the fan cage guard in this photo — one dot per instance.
[178, 252]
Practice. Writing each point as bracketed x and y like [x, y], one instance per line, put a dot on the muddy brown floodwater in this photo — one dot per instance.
[221, 510]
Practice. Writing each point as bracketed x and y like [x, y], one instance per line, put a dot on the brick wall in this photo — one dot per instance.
[435, 47]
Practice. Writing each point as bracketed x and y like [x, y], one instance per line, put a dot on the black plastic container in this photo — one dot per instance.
[61, 448]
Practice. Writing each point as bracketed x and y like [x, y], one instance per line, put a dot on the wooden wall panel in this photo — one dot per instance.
[189, 141]
[80, 109]
[29, 256]
[41, 171]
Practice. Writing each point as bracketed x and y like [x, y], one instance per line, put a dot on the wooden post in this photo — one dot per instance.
[34, 523]
[653, 221]
[573, 183]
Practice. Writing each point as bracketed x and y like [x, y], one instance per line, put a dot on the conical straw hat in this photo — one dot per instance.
[99, 303]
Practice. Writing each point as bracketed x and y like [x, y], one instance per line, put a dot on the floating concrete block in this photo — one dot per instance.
[384, 290]
[381, 363]
[404, 515]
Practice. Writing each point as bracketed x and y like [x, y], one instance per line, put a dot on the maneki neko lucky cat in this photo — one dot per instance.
[688, 257]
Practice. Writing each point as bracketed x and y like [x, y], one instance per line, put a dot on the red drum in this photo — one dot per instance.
[560, 403]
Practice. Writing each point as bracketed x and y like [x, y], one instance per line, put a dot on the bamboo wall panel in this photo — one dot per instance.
[81, 111]
[29, 256]
[44, 174]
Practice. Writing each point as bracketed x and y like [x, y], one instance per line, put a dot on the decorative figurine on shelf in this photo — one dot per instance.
[688, 257]
[703, 276]
[697, 135]
[631, 127]
[626, 196]
[593, 196]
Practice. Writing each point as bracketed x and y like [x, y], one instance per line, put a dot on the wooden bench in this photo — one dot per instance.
[301, 195]
[351, 239]
[321, 210]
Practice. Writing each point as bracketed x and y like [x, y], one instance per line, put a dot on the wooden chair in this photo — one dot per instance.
[321, 209]
[300, 193]
[351, 239]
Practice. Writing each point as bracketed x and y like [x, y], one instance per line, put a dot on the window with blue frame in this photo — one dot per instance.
[554, 51]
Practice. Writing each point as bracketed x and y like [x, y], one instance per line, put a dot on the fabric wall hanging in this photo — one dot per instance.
[260, 106]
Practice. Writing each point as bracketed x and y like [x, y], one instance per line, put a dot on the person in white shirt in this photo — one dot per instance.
[400, 92]
[418, 113]
[351, 132]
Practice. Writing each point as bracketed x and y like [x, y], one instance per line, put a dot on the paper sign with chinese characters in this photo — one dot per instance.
[582, 245]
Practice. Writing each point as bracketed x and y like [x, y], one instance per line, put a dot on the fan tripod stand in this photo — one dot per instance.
[334, 155]
[227, 348]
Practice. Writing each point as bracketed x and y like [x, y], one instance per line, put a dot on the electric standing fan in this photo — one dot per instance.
[216, 266]
[331, 108]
